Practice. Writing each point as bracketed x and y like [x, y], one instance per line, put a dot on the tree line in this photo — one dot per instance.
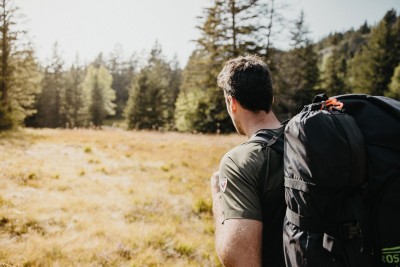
[156, 93]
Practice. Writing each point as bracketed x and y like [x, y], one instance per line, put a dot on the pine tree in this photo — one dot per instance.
[271, 26]
[299, 33]
[135, 111]
[239, 23]
[395, 36]
[394, 86]
[334, 74]
[153, 94]
[298, 73]
[228, 29]
[26, 86]
[73, 99]
[19, 76]
[188, 116]
[270, 13]
[98, 93]
[175, 80]
[122, 72]
[50, 100]
[364, 29]
[374, 65]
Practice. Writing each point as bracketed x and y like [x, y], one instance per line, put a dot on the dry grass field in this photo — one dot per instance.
[107, 197]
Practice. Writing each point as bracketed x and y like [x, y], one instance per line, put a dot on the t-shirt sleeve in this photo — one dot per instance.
[240, 193]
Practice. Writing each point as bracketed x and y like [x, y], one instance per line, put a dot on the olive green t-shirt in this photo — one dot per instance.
[240, 182]
[251, 183]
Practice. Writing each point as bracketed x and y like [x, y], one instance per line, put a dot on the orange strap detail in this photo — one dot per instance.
[332, 103]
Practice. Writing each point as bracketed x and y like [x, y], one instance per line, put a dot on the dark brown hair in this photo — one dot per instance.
[248, 80]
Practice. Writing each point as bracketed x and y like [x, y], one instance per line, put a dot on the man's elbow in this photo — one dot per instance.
[238, 254]
[226, 255]
[239, 242]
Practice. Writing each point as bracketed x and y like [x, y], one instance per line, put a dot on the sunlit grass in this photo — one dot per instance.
[107, 198]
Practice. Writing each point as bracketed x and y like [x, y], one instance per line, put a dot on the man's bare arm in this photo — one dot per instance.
[237, 241]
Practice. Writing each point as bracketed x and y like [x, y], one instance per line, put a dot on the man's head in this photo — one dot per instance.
[248, 80]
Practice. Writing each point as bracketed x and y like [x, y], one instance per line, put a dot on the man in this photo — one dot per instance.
[248, 191]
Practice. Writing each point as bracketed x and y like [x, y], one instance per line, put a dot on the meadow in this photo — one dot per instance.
[107, 197]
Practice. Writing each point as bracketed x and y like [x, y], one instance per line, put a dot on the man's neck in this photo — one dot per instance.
[262, 120]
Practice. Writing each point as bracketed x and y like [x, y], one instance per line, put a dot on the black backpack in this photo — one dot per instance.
[379, 120]
[342, 183]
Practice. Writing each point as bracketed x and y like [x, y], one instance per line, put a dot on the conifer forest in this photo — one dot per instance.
[156, 93]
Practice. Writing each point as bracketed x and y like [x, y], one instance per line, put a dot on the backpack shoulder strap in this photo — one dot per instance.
[269, 139]
[272, 164]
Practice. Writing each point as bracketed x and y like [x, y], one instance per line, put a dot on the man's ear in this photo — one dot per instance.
[232, 102]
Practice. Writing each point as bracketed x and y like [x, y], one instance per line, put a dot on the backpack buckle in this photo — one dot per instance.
[350, 230]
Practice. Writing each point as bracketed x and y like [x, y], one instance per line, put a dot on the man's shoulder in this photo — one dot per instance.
[244, 148]
[245, 153]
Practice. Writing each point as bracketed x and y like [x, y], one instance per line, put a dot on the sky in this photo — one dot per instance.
[88, 27]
